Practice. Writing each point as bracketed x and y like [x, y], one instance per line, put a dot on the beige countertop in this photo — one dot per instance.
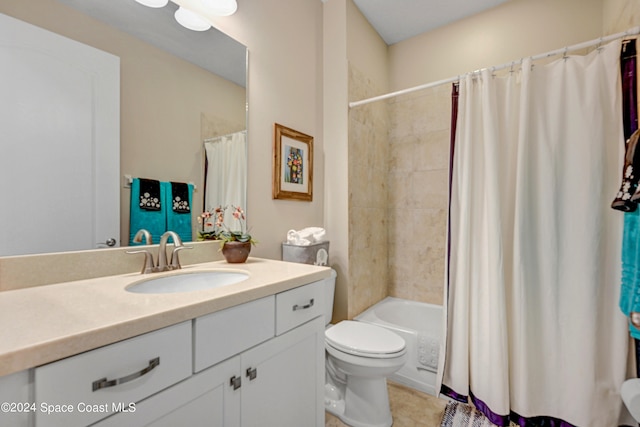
[45, 323]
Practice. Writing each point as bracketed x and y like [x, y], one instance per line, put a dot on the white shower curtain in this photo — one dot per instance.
[533, 327]
[226, 180]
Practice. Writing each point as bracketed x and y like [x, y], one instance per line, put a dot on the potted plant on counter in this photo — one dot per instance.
[235, 241]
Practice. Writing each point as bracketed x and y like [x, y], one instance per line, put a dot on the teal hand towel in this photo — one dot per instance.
[630, 289]
[154, 221]
[179, 212]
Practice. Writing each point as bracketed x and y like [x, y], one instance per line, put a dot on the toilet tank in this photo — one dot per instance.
[329, 293]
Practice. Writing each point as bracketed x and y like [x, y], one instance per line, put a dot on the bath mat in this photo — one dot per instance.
[458, 414]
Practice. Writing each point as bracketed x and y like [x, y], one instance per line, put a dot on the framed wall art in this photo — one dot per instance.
[292, 164]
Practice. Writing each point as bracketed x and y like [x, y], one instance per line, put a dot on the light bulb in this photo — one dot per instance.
[221, 7]
[191, 20]
[153, 3]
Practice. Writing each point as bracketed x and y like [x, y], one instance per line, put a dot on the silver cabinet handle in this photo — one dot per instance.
[104, 383]
[303, 307]
[252, 373]
[236, 382]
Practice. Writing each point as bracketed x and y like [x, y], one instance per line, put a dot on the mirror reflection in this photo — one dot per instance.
[168, 104]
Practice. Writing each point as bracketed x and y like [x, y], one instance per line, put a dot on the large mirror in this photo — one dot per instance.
[178, 89]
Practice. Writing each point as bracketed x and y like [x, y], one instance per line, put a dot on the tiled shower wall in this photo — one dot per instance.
[368, 184]
[398, 187]
[418, 177]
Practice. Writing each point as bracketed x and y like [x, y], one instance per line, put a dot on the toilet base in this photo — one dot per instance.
[365, 404]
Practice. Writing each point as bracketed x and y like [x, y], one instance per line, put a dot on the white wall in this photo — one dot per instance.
[336, 145]
[366, 51]
[515, 29]
[620, 15]
[284, 39]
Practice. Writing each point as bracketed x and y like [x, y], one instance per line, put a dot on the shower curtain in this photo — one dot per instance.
[226, 177]
[534, 334]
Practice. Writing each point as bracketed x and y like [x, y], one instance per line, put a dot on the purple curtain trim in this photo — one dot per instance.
[637, 348]
[497, 419]
[455, 95]
[504, 420]
[629, 91]
[538, 421]
[453, 395]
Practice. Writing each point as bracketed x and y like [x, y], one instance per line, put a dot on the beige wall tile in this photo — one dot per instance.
[368, 195]
[418, 193]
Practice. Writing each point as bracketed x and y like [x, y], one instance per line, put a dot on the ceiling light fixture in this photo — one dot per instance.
[191, 20]
[221, 7]
[153, 3]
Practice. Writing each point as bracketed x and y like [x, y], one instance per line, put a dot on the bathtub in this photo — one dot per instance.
[420, 324]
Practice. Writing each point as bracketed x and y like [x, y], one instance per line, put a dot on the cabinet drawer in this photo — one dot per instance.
[225, 333]
[299, 305]
[85, 388]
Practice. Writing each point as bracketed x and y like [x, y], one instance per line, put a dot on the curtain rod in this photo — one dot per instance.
[213, 138]
[631, 32]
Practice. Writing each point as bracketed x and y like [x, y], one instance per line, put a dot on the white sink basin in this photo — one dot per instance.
[187, 282]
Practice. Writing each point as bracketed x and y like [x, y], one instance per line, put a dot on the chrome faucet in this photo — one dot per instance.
[149, 266]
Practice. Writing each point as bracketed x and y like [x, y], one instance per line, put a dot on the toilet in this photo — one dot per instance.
[359, 357]
[630, 393]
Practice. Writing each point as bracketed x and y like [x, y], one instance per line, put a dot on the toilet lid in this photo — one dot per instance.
[364, 339]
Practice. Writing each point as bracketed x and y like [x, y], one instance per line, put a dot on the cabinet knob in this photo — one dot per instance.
[252, 373]
[236, 382]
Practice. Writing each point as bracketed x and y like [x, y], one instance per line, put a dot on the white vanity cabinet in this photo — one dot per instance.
[257, 364]
[277, 383]
[16, 398]
[281, 380]
[288, 379]
[85, 388]
[205, 399]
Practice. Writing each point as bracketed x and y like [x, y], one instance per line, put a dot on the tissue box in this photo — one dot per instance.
[315, 253]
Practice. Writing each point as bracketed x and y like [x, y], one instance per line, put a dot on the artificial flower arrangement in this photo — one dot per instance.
[215, 228]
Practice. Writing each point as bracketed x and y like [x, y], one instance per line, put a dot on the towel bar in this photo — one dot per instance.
[128, 180]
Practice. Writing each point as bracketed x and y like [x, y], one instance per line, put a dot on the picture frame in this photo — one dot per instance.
[292, 164]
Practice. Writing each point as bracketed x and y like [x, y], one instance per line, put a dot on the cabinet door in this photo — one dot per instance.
[17, 390]
[205, 399]
[283, 379]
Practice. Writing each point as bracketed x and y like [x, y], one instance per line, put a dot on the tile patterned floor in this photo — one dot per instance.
[409, 408]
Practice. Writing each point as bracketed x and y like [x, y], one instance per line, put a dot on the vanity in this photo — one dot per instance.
[91, 352]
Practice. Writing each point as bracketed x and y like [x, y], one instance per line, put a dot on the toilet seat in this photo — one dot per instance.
[365, 340]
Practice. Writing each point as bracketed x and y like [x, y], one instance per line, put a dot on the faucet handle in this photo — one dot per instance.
[148, 266]
[175, 261]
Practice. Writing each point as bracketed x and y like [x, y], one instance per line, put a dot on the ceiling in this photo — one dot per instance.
[211, 49]
[398, 20]
[394, 20]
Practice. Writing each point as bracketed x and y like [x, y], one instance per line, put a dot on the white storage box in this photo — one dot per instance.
[316, 253]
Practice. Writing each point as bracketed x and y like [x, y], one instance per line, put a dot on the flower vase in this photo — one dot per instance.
[236, 252]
